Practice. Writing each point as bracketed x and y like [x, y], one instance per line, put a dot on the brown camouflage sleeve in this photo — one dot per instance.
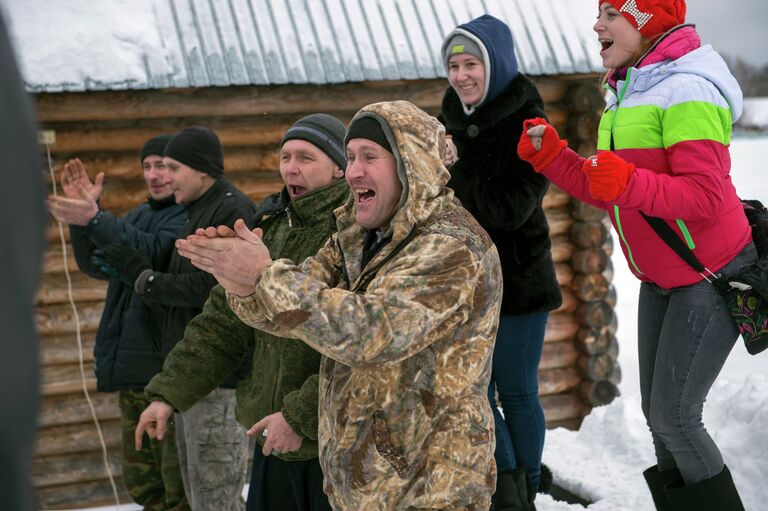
[427, 289]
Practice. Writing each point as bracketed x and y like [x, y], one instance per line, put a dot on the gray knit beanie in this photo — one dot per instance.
[324, 132]
[460, 43]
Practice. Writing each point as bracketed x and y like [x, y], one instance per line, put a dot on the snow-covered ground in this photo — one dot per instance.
[604, 460]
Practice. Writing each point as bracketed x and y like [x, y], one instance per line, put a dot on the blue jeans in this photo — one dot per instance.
[515, 375]
[684, 337]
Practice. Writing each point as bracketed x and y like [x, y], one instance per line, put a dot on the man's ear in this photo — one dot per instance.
[338, 173]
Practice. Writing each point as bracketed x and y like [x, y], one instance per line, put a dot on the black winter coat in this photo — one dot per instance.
[181, 287]
[504, 193]
[127, 350]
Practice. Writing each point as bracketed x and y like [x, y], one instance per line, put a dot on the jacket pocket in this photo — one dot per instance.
[384, 446]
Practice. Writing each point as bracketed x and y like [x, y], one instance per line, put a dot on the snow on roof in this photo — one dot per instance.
[78, 45]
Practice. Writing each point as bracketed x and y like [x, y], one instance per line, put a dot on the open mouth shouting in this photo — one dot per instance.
[297, 190]
[605, 44]
[364, 196]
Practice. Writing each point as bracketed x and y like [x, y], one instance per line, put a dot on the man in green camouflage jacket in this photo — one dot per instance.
[403, 302]
[280, 393]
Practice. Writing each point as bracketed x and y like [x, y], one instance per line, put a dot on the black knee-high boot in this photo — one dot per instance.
[656, 480]
[717, 493]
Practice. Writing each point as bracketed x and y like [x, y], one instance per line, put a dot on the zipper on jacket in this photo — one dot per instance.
[619, 97]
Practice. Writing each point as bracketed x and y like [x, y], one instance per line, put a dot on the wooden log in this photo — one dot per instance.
[558, 355]
[53, 260]
[125, 166]
[589, 288]
[78, 495]
[238, 131]
[74, 409]
[559, 221]
[194, 103]
[555, 381]
[590, 260]
[556, 198]
[598, 393]
[582, 126]
[610, 298]
[608, 271]
[573, 424]
[562, 248]
[584, 97]
[53, 289]
[564, 274]
[560, 327]
[73, 468]
[586, 213]
[594, 341]
[62, 379]
[60, 319]
[558, 407]
[62, 348]
[596, 367]
[588, 234]
[595, 314]
[570, 302]
[615, 377]
[74, 438]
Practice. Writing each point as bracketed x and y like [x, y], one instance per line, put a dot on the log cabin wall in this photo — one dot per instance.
[106, 130]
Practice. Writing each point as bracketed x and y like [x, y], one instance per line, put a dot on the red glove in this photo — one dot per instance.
[551, 145]
[608, 175]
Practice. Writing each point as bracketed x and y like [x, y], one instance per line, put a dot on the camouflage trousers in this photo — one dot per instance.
[213, 452]
[151, 475]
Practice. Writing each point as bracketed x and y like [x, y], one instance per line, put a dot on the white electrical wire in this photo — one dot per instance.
[80, 340]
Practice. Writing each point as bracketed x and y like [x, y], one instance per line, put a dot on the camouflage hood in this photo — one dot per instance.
[416, 139]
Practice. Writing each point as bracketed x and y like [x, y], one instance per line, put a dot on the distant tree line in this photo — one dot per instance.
[753, 79]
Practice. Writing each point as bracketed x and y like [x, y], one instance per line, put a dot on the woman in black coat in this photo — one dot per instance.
[483, 111]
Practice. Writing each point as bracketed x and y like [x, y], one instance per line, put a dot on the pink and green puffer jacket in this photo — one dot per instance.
[671, 116]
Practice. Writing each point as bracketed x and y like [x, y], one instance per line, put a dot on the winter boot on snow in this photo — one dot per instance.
[657, 480]
[545, 481]
[513, 492]
[717, 493]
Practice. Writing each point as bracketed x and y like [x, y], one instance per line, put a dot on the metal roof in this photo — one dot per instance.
[203, 43]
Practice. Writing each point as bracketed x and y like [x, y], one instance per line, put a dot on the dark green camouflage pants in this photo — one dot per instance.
[151, 475]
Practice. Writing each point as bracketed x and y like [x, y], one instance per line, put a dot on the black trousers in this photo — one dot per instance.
[278, 485]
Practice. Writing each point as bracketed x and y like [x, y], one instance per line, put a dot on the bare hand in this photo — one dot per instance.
[74, 181]
[236, 262]
[153, 420]
[73, 211]
[451, 154]
[280, 436]
[536, 134]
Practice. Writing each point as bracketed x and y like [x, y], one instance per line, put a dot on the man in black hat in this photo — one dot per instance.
[126, 353]
[213, 447]
[279, 396]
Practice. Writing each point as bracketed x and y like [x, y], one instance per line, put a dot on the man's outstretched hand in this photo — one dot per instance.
[235, 257]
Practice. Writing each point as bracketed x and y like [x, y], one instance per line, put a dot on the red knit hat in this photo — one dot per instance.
[651, 17]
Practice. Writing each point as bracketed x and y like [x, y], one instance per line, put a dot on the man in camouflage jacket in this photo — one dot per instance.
[282, 384]
[407, 336]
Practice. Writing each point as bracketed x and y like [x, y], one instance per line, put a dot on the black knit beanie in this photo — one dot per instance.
[198, 148]
[368, 128]
[324, 132]
[155, 146]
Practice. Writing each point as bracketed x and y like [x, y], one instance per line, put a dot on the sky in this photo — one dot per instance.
[736, 28]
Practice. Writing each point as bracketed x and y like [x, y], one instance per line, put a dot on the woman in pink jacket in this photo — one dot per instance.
[663, 151]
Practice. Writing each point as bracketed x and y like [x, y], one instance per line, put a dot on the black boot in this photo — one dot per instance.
[657, 480]
[717, 493]
[512, 492]
[545, 481]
